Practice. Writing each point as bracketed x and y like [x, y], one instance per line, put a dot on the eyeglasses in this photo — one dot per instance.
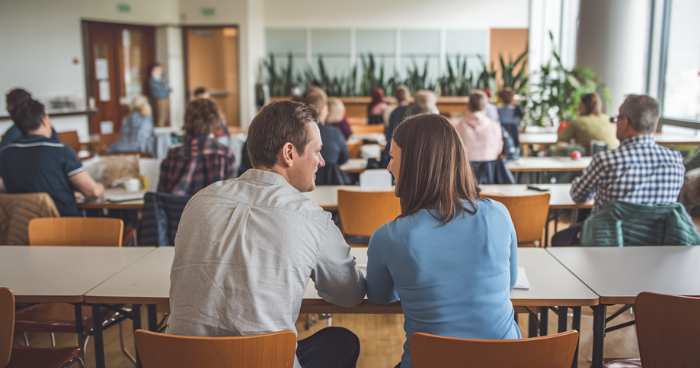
[616, 119]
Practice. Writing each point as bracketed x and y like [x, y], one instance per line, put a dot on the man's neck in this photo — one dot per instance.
[275, 169]
[42, 132]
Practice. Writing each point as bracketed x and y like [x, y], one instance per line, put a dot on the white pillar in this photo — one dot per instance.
[613, 38]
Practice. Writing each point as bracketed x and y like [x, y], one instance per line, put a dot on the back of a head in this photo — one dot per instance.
[29, 116]
[377, 95]
[336, 110]
[434, 173]
[317, 99]
[202, 116]
[200, 92]
[140, 104]
[16, 97]
[402, 93]
[425, 102]
[477, 101]
[642, 111]
[275, 125]
[590, 104]
[506, 95]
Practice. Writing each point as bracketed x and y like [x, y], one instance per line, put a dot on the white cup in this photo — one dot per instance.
[132, 185]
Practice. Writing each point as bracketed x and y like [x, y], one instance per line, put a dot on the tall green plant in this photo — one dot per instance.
[459, 80]
[514, 72]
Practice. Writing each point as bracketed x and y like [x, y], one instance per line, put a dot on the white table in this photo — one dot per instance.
[548, 164]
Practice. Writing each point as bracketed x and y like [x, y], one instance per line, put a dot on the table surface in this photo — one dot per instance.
[548, 164]
[327, 196]
[147, 281]
[618, 274]
[43, 274]
[663, 138]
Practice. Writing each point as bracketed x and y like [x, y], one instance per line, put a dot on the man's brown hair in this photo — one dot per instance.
[201, 117]
[591, 104]
[477, 101]
[275, 125]
[435, 172]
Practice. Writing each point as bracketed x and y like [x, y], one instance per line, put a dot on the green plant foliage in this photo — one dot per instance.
[459, 80]
[514, 73]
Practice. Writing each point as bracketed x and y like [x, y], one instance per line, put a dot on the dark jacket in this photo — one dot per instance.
[335, 153]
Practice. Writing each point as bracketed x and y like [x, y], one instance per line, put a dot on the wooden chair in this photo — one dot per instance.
[668, 330]
[70, 139]
[363, 212]
[11, 357]
[67, 231]
[367, 128]
[529, 215]
[354, 149]
[268, 350]
[555, 351]
[76, 231]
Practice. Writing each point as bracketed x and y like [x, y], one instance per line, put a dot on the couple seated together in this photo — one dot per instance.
[247, 247]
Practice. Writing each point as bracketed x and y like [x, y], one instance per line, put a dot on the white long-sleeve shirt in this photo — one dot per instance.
[244, 252]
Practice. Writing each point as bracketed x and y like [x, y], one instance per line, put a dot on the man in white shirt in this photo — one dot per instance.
[246, 247]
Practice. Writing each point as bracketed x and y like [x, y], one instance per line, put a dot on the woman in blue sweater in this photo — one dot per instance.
[450, 257]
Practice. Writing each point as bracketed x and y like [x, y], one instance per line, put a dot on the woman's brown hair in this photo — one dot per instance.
[202, 116]
[590, 103]
[435, 172]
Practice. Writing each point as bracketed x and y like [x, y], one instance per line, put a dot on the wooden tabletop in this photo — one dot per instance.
[147, 281]
[327, 195]
[42, 274]
[354, 166]
[618, 274]
[548, 164]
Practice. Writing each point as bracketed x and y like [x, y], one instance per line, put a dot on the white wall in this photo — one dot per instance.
[392, 14]
[40, 39]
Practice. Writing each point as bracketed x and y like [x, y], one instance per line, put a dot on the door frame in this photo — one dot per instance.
[87, 57]
[185, 56]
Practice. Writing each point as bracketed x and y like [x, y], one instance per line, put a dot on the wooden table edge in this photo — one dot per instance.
[35, 299]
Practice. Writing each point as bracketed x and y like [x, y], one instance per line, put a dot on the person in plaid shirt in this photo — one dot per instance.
[639, 171]
[201, 159]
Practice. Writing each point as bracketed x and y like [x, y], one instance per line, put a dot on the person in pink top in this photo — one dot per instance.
[481, 136]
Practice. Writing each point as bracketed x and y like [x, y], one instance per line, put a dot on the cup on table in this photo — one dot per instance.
[132, 185]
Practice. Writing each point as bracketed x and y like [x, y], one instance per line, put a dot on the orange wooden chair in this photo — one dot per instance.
[363, 212]
[70, 139]
[268, 350]
[555, 351]
[668, 330]
[67, 231]
[76, 231]
[25, 357]
[529, 215]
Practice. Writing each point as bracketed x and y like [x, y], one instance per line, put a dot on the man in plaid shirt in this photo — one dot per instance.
[639, 171]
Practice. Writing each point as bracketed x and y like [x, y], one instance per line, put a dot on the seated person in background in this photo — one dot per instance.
[221, 132]
[425, 102]
[510, 114]
[201, 159]
[591, 124]
[136, 133]
[36, 163]
[246, 247]
[481, 136]
[490, 109]
[334, 150]
[201, 92]
[13, 99]
[450, 258]
[638, 171]
[337, 117]
[375, 110]
[400, 112]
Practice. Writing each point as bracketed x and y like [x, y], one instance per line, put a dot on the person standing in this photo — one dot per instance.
[159, 93]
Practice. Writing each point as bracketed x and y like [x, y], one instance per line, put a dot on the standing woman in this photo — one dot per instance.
[450, 257]
[160, 91]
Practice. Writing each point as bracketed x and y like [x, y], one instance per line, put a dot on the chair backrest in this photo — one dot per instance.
[354, 149]
[76, 231]
[529, 215]
[555, 351]
[668, 330]
[70, 139]
[367, 128]
[375, 178]
[362, 212]
[161, 217]
[7, 325]
[257, 351]
[16, 210]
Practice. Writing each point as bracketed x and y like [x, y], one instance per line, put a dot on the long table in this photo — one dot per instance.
[666, 139]
[618, 274]
[147, 281]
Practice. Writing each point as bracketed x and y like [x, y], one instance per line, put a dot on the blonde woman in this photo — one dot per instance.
[136, 134]
[337, 118]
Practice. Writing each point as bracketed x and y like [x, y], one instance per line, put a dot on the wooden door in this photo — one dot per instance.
[117, 60]
[211, 61]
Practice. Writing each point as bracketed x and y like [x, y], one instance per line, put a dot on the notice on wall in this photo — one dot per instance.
[106, 127]
[101, 69]
[104, 91]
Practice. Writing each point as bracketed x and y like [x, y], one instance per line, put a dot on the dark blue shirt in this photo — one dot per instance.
[35, 164]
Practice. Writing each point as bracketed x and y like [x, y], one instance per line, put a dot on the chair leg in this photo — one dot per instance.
[26, 339]
[123, 347]
[53, 340]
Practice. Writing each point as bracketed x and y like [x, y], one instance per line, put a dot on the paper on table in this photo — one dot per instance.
[123, 196]
[522, 282]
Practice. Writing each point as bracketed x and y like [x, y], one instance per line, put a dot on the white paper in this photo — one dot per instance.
[106, 127]
[124, 196]
[104, 91]
[101, 69]
[522, 282]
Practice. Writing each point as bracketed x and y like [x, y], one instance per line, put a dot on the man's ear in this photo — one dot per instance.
[286, 155]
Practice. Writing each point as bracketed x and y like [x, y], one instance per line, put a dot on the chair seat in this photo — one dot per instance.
[43, 357]
[51, 317]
